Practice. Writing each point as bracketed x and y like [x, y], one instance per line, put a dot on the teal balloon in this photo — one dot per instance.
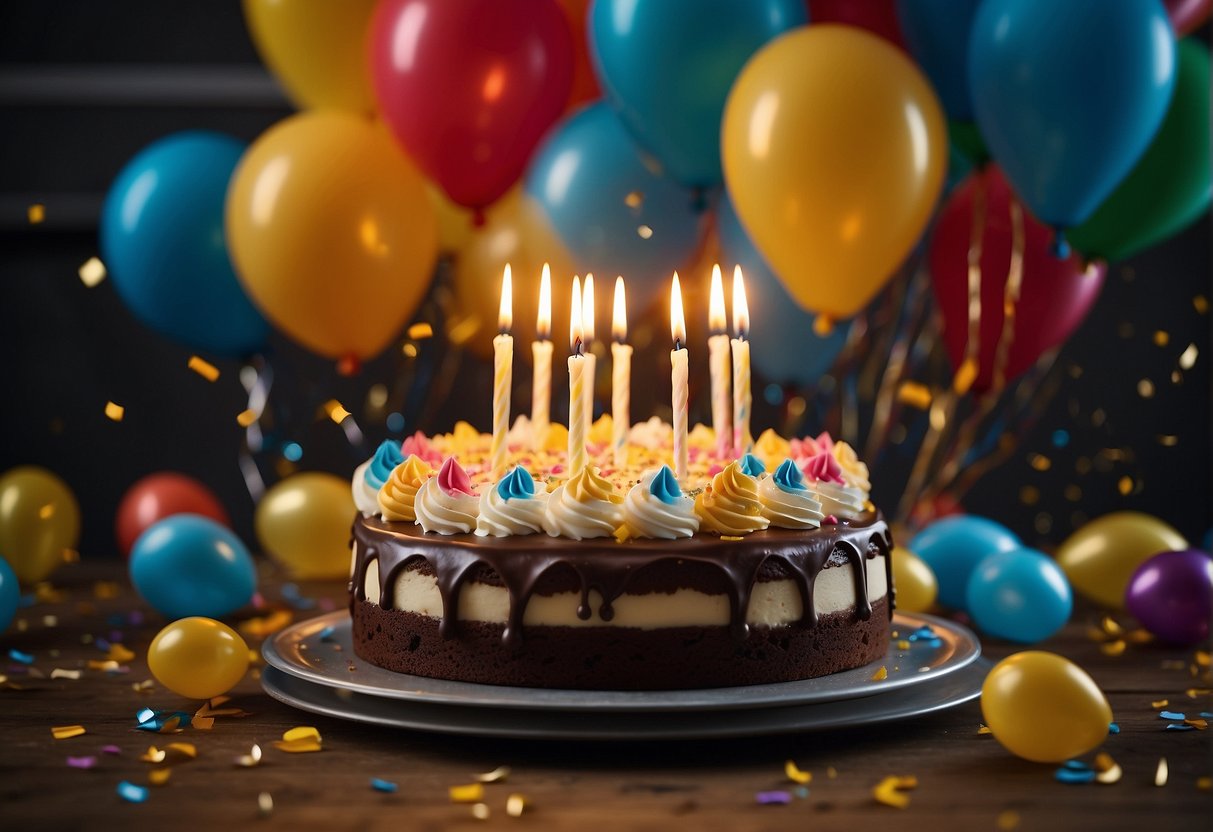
[1171, 187]
[667, 67]
[953, 547]
[187, 565]
[1021, 595]
[10, 594]
[937, 33]
[783, 346]
[1068, 95]
[163, 245]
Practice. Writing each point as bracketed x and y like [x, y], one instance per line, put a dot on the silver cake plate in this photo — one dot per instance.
[319, 652]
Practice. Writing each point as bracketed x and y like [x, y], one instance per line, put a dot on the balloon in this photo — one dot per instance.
[162, 240]
[198, 658]
[953, 547]
[1054, 297]
[1021, 595]
[304, 521]
[667, 66]
[914, 581]
[1188, 15]
[613, 213]
[1068, 96]
[1171, 594]
[190, 565]
[161, 495]
[517, 233]
[316, 49]
[937, 32]
[876, 16]
[469, 87]
[1044, 708]
[39, 521]
[585, 85]
[10, 594]
[332, 233]
[834, 152]
[455, 223]
[1100, 558]
[784, 346]
[1171, 186]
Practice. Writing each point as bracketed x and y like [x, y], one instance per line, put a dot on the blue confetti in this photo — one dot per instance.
[1071, 775]
[1076, 765]
[381, 785]
[1172, 715]
[1113, 728]
[327, 633]
[776, 798]
[149, 720]
[1206, 715]
[1179, 726]
[131, 793]
[17, 656]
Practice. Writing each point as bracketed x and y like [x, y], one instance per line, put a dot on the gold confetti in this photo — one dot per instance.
[891, 791]
[1107, 770]
[187, 749]
[266, 625]
[1008, 819]
[114, 412]
[334, 410]
[516, 803]
[1203, 658]
[302, 732]
[265, 803]
[203, 723]
[793, 773]
[118, 653]
[91, 272]
[421, 331]
[1145, 388]
[903, 644]
[1161, 338]
[1160, 773]
[481, 811]
[497, 775]
[203, 368]
[36, 213]
[471, 793]
[984, 729]
[1113, 648]
[644, 232]
[61, 673]
[66, 732]
[154, 755]
[300, 740]
[1198, 724]
[730, 537]
[159, 776]
[246, 417]
[1160, 703]
[966, 374]
[881, 674]
[914, 394]
[1188, 359]
[1194, 693]
[1040, 462]
[107, 665]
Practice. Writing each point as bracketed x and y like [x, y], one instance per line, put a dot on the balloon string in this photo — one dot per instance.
[967, 372]
[1010, 299]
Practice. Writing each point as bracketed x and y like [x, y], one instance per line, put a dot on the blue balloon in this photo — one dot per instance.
[163, 244]
[613, 213]
[1021, 595]
[953, 547]
[784, 348]
[1069, 95]
[937, 33]
[667, 67]
[187, 565]
[10, 594]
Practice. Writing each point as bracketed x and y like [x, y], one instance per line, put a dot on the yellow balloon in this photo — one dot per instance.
[914, 582]
[331, 232]
[304, 522]
[834, 150]
[1101, 557]
[455, 224]
[1043, 707]
[316, 48]
[198, 658]
[39, 521]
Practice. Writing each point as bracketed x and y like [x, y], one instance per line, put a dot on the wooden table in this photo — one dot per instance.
[965, 779]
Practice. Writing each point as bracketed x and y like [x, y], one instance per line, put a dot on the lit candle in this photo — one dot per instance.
[577, 420]
[742, 440]
[718, 358]
[541, 352]
[503, 375]
[587, 331]
[678, 379]
[621, 376]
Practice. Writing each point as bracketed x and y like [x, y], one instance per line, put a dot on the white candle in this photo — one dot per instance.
[503, 375]
[621, 376]
[587, 332]
[678, 379]
[718, 359]
[541, 353]
[742, 399]
[577, 419]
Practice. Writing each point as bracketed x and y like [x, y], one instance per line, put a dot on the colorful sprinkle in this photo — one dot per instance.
[81, 762]
[17, 656]
[385, 786]
[497, 775]
[773, 798]
[1179, 726]
[112, 750]
[66, 732]
[471, 793]
[131, 793]
[1113, 728]
[203, 368]
[891, 791]
[881, 674]
[1172, 715]
[793, 773]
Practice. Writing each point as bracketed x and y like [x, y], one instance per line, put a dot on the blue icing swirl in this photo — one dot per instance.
[386, 458]
[517, 484]
[752, 466]
[664, 487]
[788, 477]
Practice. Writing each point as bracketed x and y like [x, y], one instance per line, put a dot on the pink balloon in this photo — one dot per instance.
[1188, 15]
[1055, 295]
[468, 87]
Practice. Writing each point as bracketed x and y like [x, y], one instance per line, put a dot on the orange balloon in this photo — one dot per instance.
[331, 232]
[455, 223]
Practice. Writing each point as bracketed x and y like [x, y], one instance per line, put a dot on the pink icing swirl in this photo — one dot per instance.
[452, 479]
[419, 445]
[823, 468]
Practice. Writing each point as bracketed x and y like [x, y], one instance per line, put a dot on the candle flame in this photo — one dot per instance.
[575, 333]
[619, 318]
[543, 321]
[678, 324]
[741, 310]
[716, 317]
[587, 308]
[505, 313]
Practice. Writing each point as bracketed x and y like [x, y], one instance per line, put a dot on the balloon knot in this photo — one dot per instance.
[348, 365]
[823, 325]
[1060, 247]
[478, 218]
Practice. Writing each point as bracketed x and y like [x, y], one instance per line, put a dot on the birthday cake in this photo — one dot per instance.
[764, 567]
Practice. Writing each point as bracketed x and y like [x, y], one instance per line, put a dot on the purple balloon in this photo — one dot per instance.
[1171, 594]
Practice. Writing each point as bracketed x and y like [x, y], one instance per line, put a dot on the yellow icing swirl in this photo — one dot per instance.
[585, 506]
[587, 484]
[729, 506]
[397, 495]
[772, 449]
[853, 471]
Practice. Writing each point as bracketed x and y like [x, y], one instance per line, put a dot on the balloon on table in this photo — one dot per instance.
[1055, 294]
[161, 495]
[303, 522]
[198, 658]
[10, 594]
[666, 67]
[1171, 186]
[914, 582]
[937, 34]
[190, 565]
[39, 521]
[613, 213]
[1188, 15]
[316, 49]
[834, 150]
[1171, 594]
[953, 547]
[1044, 708]
[332, 233]
[1101, 557]
[162, 240]
[469, 87]
[585, 84]
[876, 16]
[1021, 595]
[1069, 95]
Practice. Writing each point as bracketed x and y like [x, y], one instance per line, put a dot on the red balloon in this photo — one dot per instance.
[1055, 295]
[876, 16]
[1188, 15]
[161, 495]
[468, 87]
[585, 84]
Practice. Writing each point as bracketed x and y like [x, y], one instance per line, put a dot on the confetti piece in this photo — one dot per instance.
[1008, 819]
[36, 213]
[203, 368]
[515, 804]
[385, 786]
[801, 792]
[267, 625]
[984, 729]
[914, 394]
[1074, 772]
[1113, 728]
[159, 776]
[1198, 724]
[118, 653]
[66, 732]
[1113, 648]
[23, 658]
[1160, 773]
[91, 271]
[1179, 726]
[497, 775]
[60, 673]
[245, 418]
[903, 644]
[302, 732]
[881, 674]
[1107, 769]
[187, 749]
[730, 537]
[1188, 359]
[112, 750]
[420, 331]
[891, 791]
[81, 762]
[154, 755]
[793, 773]
[773, 798]
[1171, 715]
[480, 811]
[143, 687]
[1194, 693]
[114, 412]
[265, 804]
[250, 759]
[471, 793]
[131, 793]
[304, 746]
[164, 722]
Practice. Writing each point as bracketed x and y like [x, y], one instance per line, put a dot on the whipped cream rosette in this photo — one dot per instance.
[729, 506]
[370, 476]
[854, 472]
[447, 503]
[512, 506]
[656, 508]
[786, 501]
[399, 494]
[584, 507]
[829, 487]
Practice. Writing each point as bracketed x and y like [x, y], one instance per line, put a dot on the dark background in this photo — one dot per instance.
[85, 85]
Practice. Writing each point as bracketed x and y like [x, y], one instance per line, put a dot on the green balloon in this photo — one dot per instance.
[1171, 185]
